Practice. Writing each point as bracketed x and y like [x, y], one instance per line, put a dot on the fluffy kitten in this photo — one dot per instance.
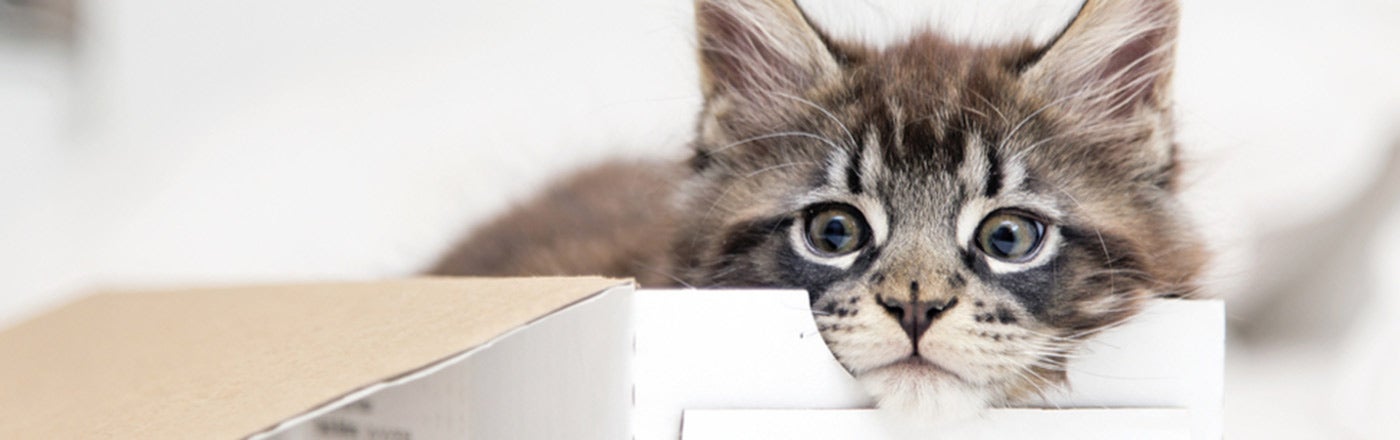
[963, 217]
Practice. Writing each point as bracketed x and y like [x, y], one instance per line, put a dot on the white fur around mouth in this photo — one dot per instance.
[920, 391]
[920, 366]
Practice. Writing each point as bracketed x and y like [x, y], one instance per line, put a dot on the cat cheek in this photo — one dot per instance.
[860, 347]
[860, 335]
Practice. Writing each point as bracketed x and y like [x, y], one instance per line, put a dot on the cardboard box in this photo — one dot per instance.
[241, 362]
[546, 358]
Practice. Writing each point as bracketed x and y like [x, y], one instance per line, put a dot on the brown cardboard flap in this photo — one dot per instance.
[225, 363]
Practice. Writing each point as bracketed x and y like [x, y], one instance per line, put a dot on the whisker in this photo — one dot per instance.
[1097, 232]
[658, 271]
[775, 167]
[829, 115]
[776, 135]
[989, 104]
[1009, 135]
[1022, 371]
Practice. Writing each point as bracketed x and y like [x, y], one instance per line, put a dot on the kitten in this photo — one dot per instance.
[963, 217]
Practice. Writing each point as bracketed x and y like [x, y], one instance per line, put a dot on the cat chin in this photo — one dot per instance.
[920, 397]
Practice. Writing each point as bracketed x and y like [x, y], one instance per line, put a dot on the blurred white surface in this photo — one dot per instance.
[38, 244]
[227, 141]
[335, 139]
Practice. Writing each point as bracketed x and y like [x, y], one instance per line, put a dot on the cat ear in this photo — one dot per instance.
[752, 49]
[1114, 59]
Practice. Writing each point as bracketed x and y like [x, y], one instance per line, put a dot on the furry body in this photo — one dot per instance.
[604, 220]
[913, 150]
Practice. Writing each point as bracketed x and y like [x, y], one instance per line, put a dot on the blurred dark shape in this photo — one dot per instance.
[38, 19]
[1315, 279]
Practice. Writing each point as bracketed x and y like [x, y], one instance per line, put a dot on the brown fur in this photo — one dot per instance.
[602, 221]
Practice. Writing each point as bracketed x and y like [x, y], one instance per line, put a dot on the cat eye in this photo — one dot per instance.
[836, 229]
[1010, 236]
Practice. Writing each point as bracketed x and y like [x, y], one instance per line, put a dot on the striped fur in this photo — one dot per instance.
[925, 139]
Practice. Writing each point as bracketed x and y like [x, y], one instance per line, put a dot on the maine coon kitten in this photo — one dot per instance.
[963, 217]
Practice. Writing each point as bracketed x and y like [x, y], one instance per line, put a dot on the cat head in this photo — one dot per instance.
[962, 216]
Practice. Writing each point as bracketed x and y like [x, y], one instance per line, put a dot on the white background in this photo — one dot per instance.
[171, 142]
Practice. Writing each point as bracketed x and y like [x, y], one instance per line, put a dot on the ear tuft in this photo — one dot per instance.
[1115, 59]
[751, 49]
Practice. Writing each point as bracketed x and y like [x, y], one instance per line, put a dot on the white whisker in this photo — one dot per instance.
[826, 112]
[776, 135]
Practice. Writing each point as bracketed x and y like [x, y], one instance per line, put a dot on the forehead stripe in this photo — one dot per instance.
[853, 170]
[994, 174]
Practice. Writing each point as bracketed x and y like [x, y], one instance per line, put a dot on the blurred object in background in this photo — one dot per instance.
[37, 19]
[1315, 279]
[1316, 356]
[1286, 109]
[38, 256]
[1368, 386]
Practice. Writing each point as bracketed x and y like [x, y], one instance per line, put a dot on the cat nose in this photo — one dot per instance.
[916, 316]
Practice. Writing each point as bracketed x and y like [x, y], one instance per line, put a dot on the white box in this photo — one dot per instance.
[730, 350]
